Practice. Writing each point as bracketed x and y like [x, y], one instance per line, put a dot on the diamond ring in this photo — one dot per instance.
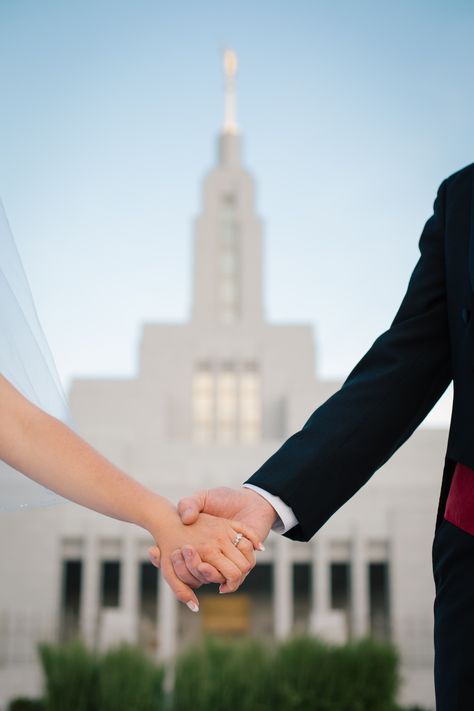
[237, 539]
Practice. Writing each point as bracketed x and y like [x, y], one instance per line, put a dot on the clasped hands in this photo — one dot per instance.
[206, 549]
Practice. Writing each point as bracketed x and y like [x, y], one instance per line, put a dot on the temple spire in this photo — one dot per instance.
[228, 231]
[230, 69]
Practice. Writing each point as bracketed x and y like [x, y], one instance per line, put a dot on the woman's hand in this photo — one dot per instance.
[218, 544]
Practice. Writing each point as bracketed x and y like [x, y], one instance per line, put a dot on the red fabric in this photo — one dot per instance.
[460, 504]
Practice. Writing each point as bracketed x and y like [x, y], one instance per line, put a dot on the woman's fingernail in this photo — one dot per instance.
[260, 547]
[192, 606]
[220, 589]
[187, 512]
[187, 553]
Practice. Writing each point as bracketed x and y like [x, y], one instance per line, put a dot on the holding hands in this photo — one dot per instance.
[222, 550]
[211, 550]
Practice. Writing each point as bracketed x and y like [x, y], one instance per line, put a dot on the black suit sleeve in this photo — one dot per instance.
[380, 404]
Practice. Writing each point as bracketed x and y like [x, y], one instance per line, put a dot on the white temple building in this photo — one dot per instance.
[213, 398]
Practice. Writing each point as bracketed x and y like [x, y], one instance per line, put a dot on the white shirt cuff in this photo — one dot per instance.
[286, 518]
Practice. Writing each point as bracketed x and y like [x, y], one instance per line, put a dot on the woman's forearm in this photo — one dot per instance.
[46, 450]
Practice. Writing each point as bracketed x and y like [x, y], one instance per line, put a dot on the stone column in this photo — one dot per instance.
[325, 622]
[167, 621]
[321, 603]
[282, 588]
[359, 587]
[129, 594]
[89, 614]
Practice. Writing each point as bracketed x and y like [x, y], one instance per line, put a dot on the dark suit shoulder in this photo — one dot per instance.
[458, 188]
[459, 176]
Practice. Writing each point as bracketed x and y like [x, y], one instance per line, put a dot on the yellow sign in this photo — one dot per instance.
[226, 614]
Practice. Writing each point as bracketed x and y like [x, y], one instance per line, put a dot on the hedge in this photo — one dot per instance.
[299, 674]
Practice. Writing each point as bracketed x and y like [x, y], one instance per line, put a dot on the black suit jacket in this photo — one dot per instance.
[397, 382]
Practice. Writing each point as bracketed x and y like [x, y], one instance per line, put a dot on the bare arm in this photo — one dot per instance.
[49, 452]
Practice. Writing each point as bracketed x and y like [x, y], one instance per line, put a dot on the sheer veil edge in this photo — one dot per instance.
[26, 361]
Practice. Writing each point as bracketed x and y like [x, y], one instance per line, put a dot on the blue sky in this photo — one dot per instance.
[352, 113]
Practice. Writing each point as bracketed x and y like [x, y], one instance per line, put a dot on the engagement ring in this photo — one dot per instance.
[237, 539]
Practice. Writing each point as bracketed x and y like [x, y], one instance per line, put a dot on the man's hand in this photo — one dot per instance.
[244, 505]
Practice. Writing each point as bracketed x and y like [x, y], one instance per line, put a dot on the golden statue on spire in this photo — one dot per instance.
[230, 69]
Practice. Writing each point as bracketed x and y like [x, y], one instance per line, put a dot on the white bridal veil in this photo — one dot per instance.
[26, 361]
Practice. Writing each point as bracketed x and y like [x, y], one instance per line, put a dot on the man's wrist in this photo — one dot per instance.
[285, 517]
[264, 512]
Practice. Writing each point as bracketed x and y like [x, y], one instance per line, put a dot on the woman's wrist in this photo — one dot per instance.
[158, 515]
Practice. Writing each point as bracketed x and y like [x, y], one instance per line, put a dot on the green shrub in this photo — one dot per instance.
[23, 704]
[70, 677]
[222, 676]
[79, 680]
[306, 673]
[129, 681]
[301, 674]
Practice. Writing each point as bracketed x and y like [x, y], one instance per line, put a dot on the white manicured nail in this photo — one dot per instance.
[192, 606]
